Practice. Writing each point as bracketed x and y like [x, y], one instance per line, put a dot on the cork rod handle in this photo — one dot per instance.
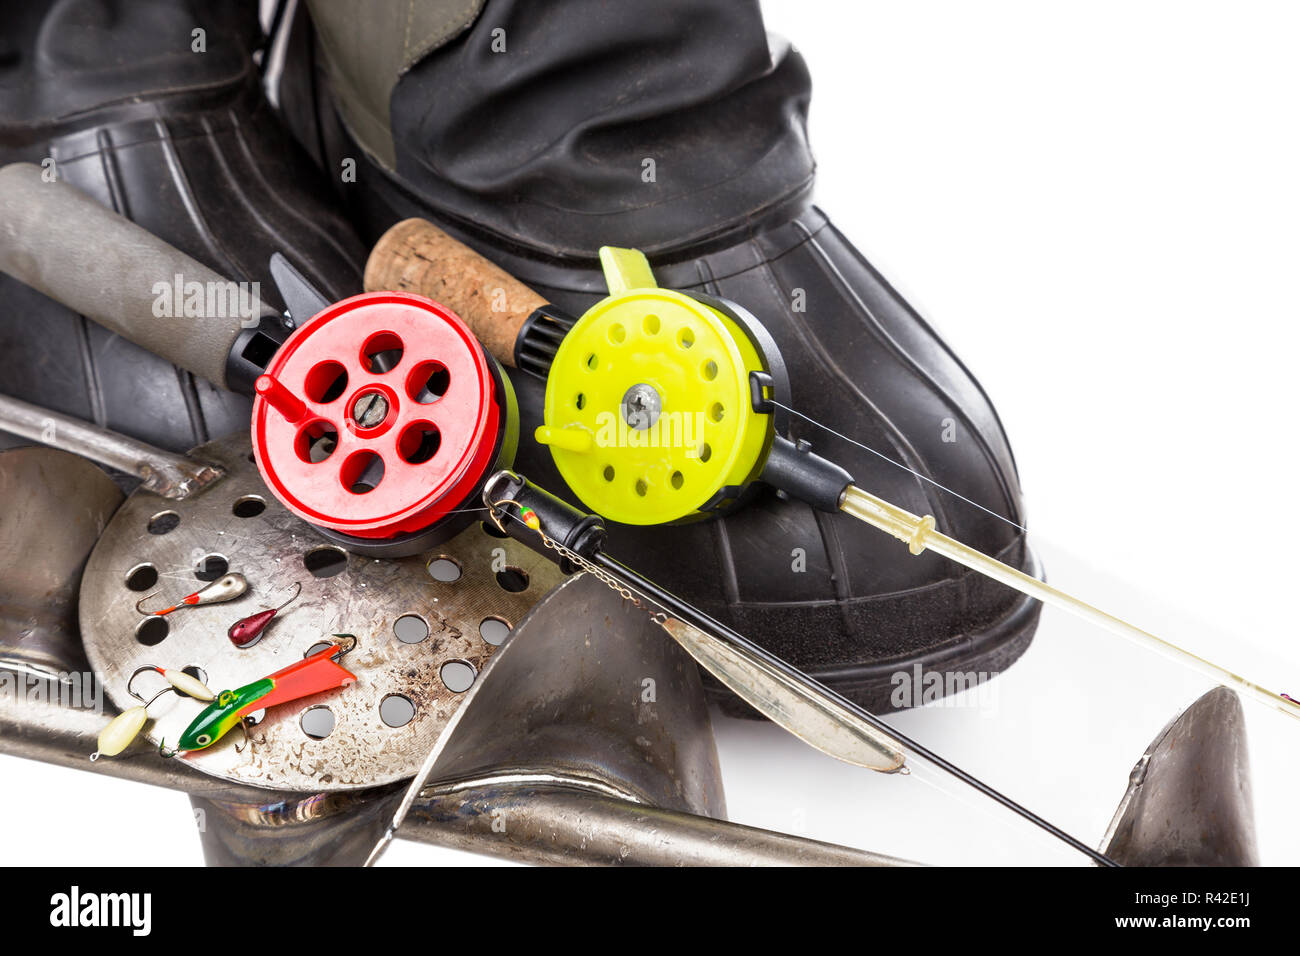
[417, 256]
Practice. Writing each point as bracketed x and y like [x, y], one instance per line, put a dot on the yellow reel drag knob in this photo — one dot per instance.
[648, 412]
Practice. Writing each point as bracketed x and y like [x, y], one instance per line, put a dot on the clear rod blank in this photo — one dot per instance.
[920, 534]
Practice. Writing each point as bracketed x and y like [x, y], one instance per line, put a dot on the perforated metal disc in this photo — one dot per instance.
[449, 625]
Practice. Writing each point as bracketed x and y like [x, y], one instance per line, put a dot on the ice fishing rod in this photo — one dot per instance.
[402, 479]
[664, 406]
[640, 357]
[829, 721]
[790, 698]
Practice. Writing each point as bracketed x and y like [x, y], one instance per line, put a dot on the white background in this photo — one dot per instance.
[1098, 206]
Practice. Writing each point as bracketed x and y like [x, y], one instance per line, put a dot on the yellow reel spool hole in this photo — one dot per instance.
[648, 413]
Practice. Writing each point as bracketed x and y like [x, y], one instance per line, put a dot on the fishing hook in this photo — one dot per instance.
[168, 754]
[248, 741]
[225, 588]
[496, 513]
[122, 730]
[182, 683]
[141, 610]
[345, 651]
[136, 673]
[297, 589]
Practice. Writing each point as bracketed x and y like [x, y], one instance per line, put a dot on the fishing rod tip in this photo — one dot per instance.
[380, 847]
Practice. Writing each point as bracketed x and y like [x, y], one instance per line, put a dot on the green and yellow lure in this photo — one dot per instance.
[312, 675]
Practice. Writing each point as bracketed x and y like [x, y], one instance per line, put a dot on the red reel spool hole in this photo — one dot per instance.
[377, 417]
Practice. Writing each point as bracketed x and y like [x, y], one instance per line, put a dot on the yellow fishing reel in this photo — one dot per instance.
[657, 401]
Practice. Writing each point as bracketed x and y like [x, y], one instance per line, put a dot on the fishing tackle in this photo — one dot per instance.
[119, 733]
[311, 675]
[529, 517]
[335, 423]
[126, 726]
[379, 420]
[247, 630]
[180, 681]
[662, 407]
[225, 588]
[790, 698]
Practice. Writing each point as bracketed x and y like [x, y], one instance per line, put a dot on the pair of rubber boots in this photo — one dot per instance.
[514, 132]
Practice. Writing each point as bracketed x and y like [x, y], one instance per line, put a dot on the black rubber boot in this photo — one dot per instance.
[683, 135]
[118, 97]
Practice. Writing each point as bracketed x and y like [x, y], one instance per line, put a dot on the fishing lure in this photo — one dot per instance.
[311, 675]
[126, 726]
[247, 630]
[119, 733]
[225, 588]
[180, 681]
[529, 517]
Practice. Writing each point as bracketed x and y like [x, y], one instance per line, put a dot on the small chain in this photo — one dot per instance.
[599, 573]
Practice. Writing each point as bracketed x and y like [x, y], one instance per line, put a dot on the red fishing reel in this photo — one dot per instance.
[379, 420]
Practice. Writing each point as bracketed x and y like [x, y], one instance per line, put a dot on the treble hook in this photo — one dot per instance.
[248, 741]
[346, 650]
[168, 754]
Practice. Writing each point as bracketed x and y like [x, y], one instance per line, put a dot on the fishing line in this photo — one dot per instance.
[928, 775]
[920, 535]
[899, 464]
[666, 601]
[645, 589]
